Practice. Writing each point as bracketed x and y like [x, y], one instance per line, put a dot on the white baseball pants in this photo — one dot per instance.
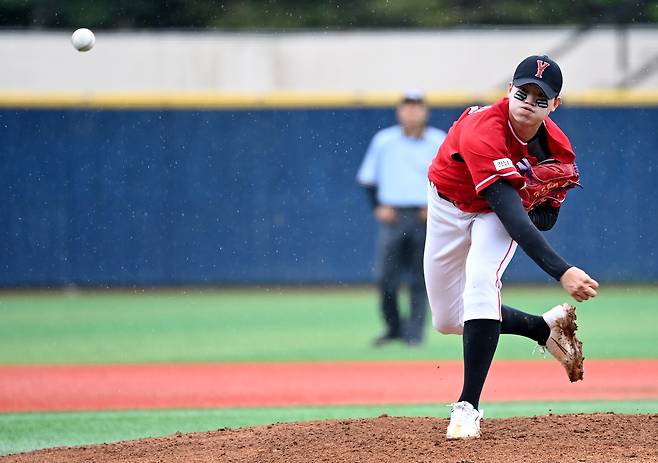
[466, 255]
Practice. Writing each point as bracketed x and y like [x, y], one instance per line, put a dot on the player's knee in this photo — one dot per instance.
[446, 326]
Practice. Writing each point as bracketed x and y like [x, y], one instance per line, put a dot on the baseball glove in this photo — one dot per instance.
[548, 183]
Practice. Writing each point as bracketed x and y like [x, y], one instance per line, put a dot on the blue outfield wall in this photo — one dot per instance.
[103, 197]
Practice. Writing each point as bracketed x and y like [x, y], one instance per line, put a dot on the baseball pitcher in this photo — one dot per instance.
[500, 177]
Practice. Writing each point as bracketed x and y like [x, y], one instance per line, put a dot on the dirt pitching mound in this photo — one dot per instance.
[564, 438]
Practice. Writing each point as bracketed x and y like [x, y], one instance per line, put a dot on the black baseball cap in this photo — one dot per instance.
[542, 71]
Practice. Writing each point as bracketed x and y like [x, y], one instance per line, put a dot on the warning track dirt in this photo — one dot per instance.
[157, 386]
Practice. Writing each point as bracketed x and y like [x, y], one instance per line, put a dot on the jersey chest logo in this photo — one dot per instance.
[477, 109]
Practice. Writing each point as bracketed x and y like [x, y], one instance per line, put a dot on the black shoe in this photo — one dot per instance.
[413, 342]
[385, 339]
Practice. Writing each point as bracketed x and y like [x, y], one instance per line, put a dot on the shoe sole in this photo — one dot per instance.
[462, 437]
[568, 326]
[455, 435]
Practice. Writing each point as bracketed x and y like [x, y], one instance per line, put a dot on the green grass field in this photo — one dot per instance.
[270, 325]
[279, 325]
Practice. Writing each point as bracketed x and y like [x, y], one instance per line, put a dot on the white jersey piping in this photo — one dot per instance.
[495, 175]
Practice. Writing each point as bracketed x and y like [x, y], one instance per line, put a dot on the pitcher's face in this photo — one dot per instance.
[528, 105]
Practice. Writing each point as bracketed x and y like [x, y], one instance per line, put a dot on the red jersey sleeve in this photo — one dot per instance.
[484, 149]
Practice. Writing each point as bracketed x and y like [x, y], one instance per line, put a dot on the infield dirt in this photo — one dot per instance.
[554, 438]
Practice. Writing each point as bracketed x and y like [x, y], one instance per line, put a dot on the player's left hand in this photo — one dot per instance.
[548, 183]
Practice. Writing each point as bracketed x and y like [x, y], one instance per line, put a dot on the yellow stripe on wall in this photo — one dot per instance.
[613, 98]
[209, 100]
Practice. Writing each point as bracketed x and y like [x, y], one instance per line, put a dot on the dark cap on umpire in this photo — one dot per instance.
[413, 96]
[542, 71]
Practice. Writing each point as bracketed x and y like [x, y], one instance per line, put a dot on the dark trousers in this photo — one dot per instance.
[400, 251]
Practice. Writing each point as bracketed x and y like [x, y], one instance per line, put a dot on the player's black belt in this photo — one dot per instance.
[441, 195]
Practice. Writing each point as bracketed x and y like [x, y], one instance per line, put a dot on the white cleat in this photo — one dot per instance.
[562, 342]
[464, 421]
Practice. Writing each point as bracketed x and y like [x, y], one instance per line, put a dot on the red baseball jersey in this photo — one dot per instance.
[481, 148]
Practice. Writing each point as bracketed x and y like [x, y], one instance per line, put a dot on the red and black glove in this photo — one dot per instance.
[548, 183]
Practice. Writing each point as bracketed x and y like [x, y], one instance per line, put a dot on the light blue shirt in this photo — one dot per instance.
[397, 165]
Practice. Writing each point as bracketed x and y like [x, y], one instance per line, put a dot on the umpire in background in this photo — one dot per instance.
[394, 173]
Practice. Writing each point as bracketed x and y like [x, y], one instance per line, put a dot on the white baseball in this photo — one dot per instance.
[83, 39]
